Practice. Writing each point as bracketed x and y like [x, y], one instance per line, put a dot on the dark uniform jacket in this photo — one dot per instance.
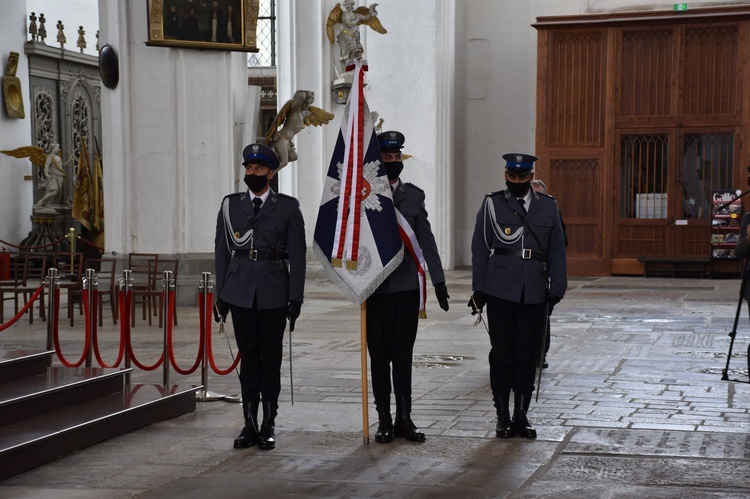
[409, 201]
[279, 226]
[506, 276]
[742, 249]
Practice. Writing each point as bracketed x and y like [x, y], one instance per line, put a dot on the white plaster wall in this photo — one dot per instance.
[597, 6]
[175, 126]
[16, 196]
[170, 135]
[496, 100]
[402, 86]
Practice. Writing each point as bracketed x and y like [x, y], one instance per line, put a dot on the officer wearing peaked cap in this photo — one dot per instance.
[260, 277]
[518, 266]
[393, 310]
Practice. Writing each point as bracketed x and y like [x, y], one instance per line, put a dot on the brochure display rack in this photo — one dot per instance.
[725, 224]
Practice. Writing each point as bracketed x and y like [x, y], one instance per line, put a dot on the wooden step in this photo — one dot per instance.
[33, 441]
[57, 388]
[17, 364]
[47, 412]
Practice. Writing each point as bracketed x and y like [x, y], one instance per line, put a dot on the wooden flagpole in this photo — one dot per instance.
[363, 331]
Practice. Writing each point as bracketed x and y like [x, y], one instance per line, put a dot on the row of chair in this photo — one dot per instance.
[22, 273]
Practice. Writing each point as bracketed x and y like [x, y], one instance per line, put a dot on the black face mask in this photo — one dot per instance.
[256, 183]
[518, 189]
[393, 169]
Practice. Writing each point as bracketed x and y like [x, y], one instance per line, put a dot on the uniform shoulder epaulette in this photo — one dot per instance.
[412, 186]
[547, 195]
[234, 195]
[493, 193]
[287, 196]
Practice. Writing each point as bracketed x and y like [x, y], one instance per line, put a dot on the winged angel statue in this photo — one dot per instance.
[296, 114]
[54, 174]
[343, 26]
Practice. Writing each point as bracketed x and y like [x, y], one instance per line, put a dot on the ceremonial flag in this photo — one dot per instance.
[83, 192]
[98, 202]
[356, 234]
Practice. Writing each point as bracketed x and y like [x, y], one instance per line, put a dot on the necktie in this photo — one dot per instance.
[257, 202]
[522, 202]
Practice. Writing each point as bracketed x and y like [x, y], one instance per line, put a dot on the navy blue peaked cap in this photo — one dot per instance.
[260, 154]
[519, 162]
[391, 140]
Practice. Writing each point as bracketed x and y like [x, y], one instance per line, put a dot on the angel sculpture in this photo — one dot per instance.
[293, 117]
[54, 174]
[343, 25]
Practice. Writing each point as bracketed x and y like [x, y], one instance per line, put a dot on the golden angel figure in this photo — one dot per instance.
[54, 174]
[297, 113]
[343, 26]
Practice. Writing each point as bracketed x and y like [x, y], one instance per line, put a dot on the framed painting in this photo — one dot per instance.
[204, 24]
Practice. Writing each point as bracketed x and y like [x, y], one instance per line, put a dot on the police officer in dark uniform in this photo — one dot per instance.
[393, 309]
[518, 266]
[260, 277]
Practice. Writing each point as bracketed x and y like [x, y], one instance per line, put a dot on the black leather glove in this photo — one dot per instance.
[221, 309]
[477, 302]
[441, 291]
[552, 300]
[295, 307]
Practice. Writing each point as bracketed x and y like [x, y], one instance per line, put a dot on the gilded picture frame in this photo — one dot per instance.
[204, 24]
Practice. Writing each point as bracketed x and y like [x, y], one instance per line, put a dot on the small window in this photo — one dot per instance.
[643, 176]
[265, 36]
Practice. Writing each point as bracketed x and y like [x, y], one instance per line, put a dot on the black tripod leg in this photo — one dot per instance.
[733, 334]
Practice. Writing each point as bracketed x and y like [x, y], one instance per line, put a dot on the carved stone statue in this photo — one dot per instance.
[297, 113]
[53, 173]
[343, 26]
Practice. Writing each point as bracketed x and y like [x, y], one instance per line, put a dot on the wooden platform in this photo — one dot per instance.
[47, 412]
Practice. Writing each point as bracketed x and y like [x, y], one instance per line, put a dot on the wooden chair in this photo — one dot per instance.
[10, 277]
[70, 270]
[150, 297]
[107, 288]
[27, 272]
[143, 267]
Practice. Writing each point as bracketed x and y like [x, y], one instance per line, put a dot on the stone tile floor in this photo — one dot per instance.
[632, 405]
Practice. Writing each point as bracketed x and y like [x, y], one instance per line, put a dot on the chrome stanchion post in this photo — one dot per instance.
[204, 394]
[89, 283]
[126, 286]
[53, 284]
[168, 288]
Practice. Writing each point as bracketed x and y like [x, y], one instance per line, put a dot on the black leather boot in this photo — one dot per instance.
[267, 427]
[384, 434]
[249, 434]
[502, 406]
[404, 426]
[520, 423]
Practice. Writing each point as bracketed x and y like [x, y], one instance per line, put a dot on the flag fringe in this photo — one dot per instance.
[345, 287]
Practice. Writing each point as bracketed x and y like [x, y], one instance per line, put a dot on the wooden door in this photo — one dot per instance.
[665, 179]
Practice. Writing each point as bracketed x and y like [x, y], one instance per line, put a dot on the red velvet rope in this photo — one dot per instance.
[89, 243]
[206, 318]
[56, 336]
[95, 330]
[169, 319]
[29, 303]
[31, 247]
[129, 346]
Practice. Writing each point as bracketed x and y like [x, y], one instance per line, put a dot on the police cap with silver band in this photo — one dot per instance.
[391, 140]
[516, 162]
[258, 153]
